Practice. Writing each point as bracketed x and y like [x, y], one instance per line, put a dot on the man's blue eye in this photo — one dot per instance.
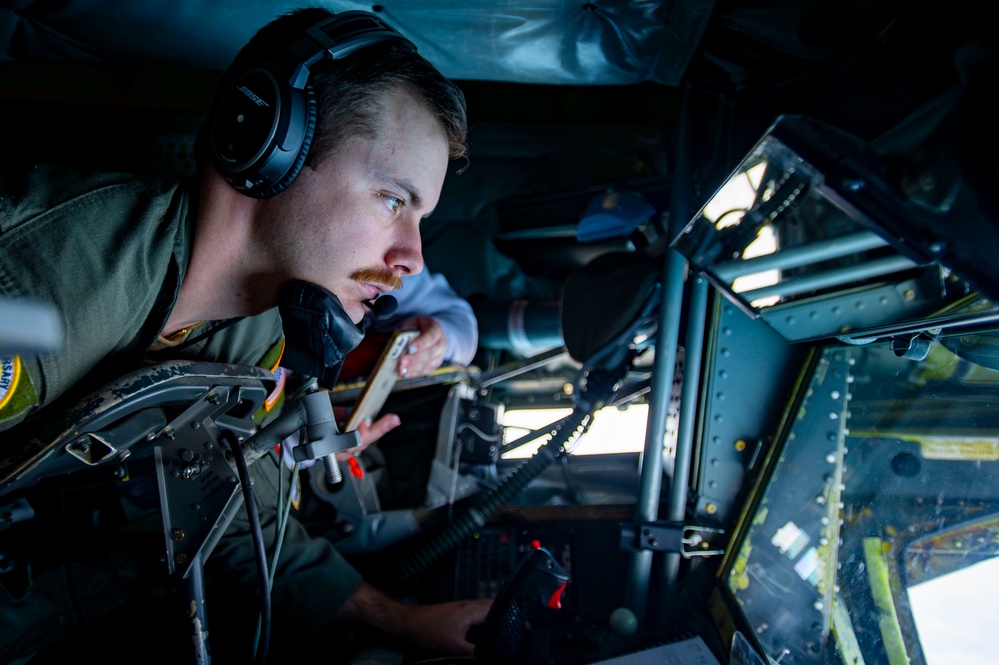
[393, 202]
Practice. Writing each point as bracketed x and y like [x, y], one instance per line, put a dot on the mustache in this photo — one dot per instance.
[378, 277]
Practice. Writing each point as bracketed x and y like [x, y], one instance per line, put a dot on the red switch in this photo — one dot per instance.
[555, 601]
[355, 468]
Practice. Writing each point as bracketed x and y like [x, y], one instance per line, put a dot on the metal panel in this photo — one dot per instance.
[749, 371]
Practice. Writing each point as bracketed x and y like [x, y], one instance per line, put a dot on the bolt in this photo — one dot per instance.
[740, 445]
[711, 509]
[177, 535]
[124, 455]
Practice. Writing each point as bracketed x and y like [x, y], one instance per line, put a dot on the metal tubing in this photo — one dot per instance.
[515, 369]
[676, 510]
[197, 615]
[795, 257]
[647, 506]
[831, 278]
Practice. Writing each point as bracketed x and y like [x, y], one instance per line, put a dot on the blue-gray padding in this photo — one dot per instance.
[613, 214]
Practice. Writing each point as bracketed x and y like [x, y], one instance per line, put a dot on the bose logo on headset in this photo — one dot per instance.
[261, 126]
[253, 96]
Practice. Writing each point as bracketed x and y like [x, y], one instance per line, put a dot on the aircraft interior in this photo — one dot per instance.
[732, 266]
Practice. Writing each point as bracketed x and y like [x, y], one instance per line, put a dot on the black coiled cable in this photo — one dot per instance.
[477, 515]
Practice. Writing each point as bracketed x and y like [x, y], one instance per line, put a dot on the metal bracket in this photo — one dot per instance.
[199, 489]
[686, 539]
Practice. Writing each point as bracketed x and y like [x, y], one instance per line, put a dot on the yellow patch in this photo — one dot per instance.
[17, 392]
[296, 491]
[275, 400]
[10, 373]
[280, 374]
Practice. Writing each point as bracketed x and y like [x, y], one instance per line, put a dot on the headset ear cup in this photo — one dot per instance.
[303, 153]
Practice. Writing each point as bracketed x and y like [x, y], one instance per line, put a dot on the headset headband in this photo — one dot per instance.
[261, 127]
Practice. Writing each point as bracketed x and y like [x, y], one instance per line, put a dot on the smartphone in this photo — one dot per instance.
[382, 379]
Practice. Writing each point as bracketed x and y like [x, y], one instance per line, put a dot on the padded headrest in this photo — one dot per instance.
[604, 299]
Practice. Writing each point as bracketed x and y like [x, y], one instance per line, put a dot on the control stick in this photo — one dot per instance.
[537, 582]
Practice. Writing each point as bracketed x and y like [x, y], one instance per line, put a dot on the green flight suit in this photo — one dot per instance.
[109, 251]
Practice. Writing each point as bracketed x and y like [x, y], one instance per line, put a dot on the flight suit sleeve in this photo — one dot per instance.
[311, 580]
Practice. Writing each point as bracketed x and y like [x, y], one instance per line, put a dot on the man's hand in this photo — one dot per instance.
[369, 432]
[441, 627]
[426, 352]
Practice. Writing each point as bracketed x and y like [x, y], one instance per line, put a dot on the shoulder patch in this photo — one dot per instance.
[17, 392]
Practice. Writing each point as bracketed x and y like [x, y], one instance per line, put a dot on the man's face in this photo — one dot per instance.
[351, 224]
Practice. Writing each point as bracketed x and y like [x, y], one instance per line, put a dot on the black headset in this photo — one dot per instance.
[260, 127]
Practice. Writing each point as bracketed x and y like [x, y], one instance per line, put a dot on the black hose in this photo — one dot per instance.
[230, 440]
[477, 515]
